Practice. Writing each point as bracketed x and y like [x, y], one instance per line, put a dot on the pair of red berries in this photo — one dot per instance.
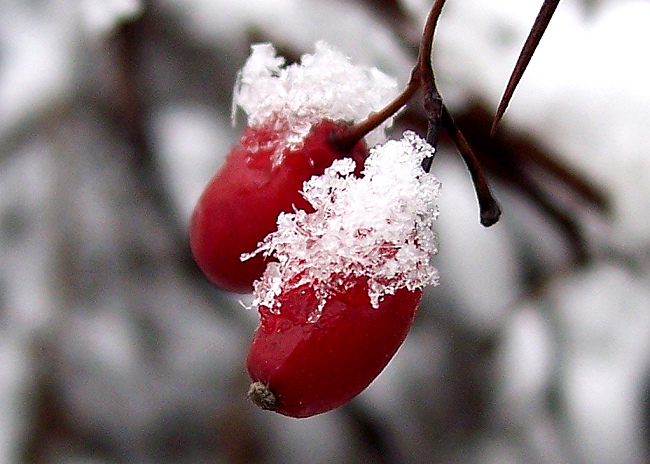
[300, 365]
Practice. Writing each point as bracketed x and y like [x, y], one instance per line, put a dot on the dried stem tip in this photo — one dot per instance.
[262, 396]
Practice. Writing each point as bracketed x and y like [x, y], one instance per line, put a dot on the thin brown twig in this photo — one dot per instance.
[422, 69]
[433, 103]
[534, 37]
[422, 76]
[490, 211]
[349, 138]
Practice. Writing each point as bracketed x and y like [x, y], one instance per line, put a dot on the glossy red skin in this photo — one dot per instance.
[240, 205]
[312, 368]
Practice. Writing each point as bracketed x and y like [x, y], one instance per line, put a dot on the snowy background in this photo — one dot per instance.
[535, 348]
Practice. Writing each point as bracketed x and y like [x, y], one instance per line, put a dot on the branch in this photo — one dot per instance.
[537, 31]
[490, 211]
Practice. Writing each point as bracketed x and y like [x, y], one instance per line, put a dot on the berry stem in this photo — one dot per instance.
[421, 76]
[438, 115]
[350, 137]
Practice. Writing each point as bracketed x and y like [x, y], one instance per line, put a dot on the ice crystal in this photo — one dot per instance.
[324, 85]
[377, 226]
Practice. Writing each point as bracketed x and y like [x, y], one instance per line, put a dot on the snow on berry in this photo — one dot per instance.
[324, 85]
[293, 112]
[377, 227]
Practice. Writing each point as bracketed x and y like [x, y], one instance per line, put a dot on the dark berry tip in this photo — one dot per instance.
[260, 394]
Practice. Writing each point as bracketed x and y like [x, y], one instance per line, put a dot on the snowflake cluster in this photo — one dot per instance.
[324, 85]
[377, 226]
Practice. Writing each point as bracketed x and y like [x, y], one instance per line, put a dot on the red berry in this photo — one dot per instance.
[240, 205]
[301, 368]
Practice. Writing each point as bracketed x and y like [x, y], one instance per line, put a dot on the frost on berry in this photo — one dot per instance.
[324, 85]
[377, 227]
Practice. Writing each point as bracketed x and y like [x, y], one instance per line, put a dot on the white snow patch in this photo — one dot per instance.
[324, 85]
[377, 226]
[603, 312]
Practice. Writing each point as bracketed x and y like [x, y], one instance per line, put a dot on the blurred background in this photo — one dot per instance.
[114, 114]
